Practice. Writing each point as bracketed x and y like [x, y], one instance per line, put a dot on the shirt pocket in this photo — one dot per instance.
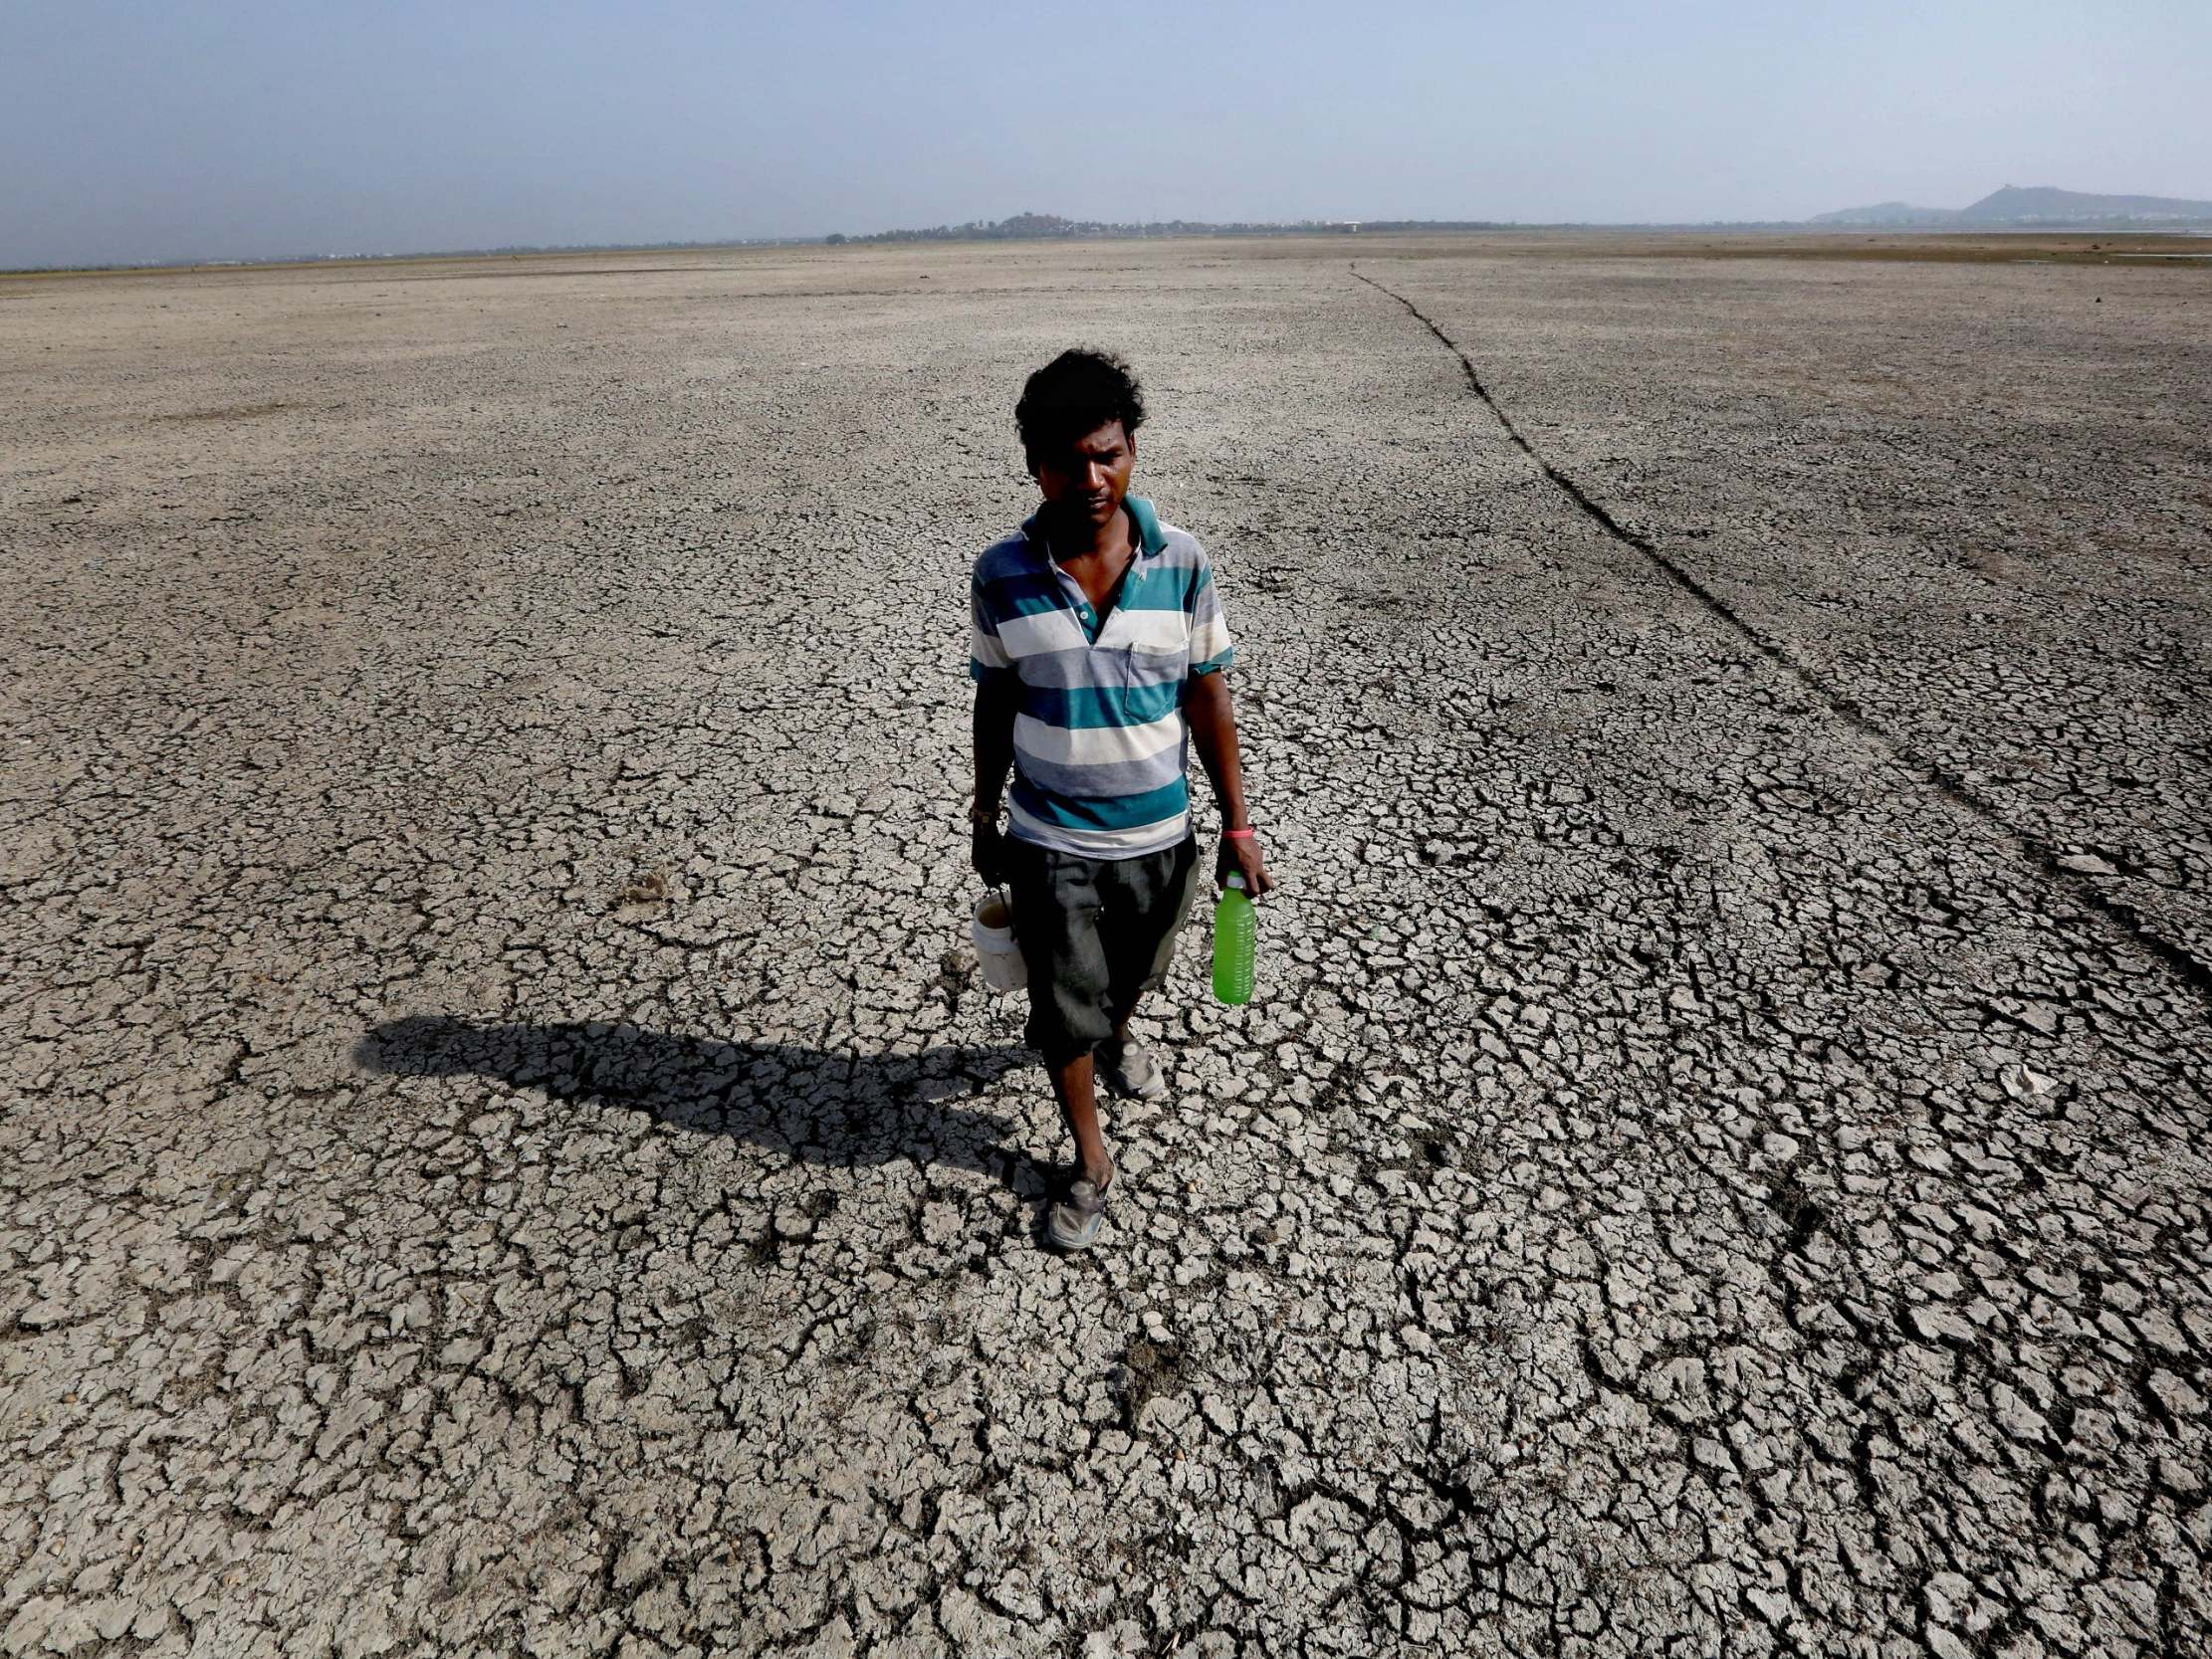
[1152, 677]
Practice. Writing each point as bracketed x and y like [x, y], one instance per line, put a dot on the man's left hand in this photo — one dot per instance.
[1241, 856]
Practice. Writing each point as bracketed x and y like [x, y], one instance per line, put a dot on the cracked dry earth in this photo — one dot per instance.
[504, 1148]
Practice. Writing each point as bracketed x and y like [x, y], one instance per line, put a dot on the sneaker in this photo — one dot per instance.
[1128, 1069]
[1075, 1222]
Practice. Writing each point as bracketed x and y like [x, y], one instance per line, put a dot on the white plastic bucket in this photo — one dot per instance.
[990, 931]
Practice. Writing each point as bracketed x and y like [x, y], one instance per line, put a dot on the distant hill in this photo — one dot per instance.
[2038, 204]
[2041, 204]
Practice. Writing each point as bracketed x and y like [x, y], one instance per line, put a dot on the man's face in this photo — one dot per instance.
[1085, 482]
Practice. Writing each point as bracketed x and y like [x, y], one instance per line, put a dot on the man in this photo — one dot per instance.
[1098, 653]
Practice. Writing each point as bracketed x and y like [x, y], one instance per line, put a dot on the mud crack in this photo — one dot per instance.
[2189, 969]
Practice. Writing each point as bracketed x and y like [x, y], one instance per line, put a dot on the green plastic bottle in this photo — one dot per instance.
[1236, 933]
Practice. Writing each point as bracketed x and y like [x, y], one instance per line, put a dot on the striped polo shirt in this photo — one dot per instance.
[1099, 744]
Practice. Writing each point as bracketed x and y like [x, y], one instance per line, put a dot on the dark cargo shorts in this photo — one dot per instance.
[1094, 932]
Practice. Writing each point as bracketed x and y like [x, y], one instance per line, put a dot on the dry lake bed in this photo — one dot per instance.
[504, 1148]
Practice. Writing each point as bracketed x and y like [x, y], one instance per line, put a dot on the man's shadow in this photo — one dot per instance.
[805, 1102]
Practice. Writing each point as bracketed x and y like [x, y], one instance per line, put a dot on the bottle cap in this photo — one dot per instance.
[1237, 880]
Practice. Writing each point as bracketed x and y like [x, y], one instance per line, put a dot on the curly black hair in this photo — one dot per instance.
[1073, 395]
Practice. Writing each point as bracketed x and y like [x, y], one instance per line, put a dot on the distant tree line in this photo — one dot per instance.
[1040, 226]
[506, 251]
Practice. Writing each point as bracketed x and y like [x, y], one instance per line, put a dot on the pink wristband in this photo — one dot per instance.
[1239, 835]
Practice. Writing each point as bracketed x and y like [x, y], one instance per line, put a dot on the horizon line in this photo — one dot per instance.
[1121, 230]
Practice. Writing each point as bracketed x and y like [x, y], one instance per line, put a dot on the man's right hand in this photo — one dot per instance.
[986, 850]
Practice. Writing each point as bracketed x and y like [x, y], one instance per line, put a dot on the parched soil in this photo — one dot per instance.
[504, 1148]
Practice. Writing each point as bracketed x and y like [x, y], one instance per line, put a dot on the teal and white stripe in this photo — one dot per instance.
[1100, 749]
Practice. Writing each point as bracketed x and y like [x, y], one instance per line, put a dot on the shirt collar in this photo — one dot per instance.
[1150, 538]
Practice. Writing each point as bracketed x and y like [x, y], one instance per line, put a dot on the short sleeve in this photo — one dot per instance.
[1212, 650]
[986, 652]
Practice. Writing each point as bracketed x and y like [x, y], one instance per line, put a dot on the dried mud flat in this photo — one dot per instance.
[502, 1148]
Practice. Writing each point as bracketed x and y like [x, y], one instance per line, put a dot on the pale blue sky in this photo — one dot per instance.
[149, 129]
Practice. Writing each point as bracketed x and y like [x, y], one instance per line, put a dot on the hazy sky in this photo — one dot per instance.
[149, 130]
